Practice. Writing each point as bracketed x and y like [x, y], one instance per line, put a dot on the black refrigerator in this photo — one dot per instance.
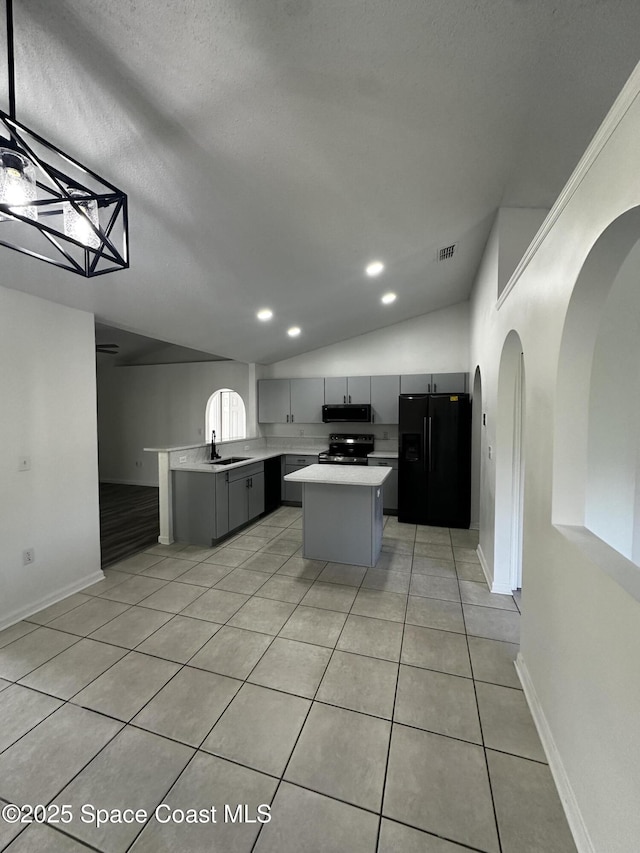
[434, 459]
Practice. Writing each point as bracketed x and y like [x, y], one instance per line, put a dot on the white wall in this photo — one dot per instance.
[160, 405]
[48, 413]
[517, 227]
[432, 343]
[614, 412]
[580, 628]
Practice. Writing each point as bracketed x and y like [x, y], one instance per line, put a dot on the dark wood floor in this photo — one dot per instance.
[128, 520]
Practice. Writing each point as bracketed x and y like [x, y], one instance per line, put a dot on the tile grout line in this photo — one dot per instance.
[475, 693]
[393, 713]
[313, 700]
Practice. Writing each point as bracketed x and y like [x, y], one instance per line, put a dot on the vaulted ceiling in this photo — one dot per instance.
[271, 148]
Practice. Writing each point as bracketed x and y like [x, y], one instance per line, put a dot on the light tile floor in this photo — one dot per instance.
[374, 711]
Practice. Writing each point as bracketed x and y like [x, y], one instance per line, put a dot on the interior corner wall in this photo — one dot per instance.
[580, 629]
[159, 405]
[431, 343]
[47, 414]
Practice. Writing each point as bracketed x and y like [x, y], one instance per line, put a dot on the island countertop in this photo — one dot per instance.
[344, 475]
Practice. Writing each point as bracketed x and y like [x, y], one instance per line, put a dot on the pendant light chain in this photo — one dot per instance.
[12, 73]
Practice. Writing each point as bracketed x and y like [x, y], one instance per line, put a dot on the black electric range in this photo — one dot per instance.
[347, 448]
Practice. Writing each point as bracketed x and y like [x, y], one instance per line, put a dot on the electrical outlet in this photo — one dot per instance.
[301, 432]
[385, 434]
[490, 452]
[138, 463]
[28, 556]
[182, 459]
[24, 463]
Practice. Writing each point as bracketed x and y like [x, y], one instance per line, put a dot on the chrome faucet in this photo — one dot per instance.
[214, 452]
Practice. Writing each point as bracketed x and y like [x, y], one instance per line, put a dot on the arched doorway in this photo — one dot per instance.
[510, 468]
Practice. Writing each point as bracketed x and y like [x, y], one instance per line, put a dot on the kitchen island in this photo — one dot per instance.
[341, 512]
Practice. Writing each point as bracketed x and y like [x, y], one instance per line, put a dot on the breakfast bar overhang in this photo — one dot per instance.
[341, 512]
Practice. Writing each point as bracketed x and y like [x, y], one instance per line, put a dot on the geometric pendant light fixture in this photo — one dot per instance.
[52, 207]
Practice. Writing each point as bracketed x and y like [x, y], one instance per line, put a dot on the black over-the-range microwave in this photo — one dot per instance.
[352, 413]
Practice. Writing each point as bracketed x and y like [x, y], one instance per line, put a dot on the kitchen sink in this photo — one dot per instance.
[229, 461]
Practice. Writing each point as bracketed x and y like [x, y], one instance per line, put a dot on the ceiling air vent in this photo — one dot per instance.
[446, 253]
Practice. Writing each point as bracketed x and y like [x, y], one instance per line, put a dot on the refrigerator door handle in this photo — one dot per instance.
[430, 465]
[425, 452]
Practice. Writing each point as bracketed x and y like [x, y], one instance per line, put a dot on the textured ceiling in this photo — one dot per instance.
[270, 148]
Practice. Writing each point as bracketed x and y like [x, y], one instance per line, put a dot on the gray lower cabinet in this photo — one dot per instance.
[208, 506]
[390, 485]
[292, 492]
[384, 399]
[246, 494]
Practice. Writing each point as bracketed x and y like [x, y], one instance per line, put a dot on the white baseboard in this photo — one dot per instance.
[154, 484]
[565, 791]
[500, 588]
[165, 540]
[52, 598]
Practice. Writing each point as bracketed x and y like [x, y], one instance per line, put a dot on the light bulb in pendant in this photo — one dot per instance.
[17, 184]
[76, 222]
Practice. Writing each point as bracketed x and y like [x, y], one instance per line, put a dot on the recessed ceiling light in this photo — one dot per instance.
[293, 332]
[374, 268]
[388, 298]
[264, 314]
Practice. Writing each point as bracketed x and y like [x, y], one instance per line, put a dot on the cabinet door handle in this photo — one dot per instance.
[349, 397]
[435, 387]
[429, 387]
[287, 418]
[373, 418]
[344, 398]
[291, 418]
[226, 478]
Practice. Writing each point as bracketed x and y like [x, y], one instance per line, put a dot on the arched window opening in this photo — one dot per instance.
[226, 414]
[596, 493]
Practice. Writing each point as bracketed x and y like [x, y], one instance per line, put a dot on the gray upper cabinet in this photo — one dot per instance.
[274, 401]
[384, 399]
[433, 383]
[284, 401]
[415, 383]
[347, 389]
[307, 397]
[359, 389]
[449, 383]
[335, 389]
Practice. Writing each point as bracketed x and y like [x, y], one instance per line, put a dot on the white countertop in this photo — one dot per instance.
[343, 475]
[250, 457]
[383, 454]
